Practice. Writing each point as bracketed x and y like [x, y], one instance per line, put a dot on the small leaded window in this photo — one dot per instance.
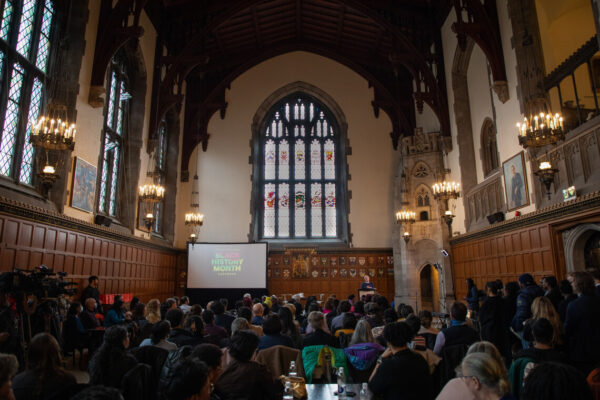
[25, 30]
[300, 172]
[115, 130]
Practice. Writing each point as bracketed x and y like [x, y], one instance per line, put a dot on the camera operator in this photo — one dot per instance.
[91, 291]
[9, 334]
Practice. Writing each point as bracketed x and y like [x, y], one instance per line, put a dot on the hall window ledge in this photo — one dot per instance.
[25, 194]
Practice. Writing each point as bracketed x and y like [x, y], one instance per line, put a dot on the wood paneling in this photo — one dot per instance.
[505, 257]
[122, 267]
[347, 276]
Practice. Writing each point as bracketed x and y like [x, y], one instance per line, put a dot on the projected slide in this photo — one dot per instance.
[219, 266]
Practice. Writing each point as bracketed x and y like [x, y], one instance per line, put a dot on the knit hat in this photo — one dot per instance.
[526, 279]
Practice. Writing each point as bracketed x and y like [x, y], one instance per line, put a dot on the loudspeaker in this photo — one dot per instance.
[102, 220]
[496, 217]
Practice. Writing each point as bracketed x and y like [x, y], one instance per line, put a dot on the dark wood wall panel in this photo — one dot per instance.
[123, 267]
[504, 256]
[314, 277]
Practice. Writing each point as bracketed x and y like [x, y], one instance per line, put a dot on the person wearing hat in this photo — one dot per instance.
[529, 291]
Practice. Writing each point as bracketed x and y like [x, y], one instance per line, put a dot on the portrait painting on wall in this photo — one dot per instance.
[515, 182]
[83, 190]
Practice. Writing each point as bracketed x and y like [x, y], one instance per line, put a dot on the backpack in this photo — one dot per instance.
[517, 374]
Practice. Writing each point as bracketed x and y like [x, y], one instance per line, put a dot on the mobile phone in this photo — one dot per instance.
[348, 394]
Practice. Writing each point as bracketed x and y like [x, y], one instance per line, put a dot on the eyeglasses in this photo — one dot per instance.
[460, 375]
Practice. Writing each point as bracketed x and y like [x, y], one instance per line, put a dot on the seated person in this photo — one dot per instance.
[542, 349]
[244, 378]
[44, 376]
[190, 381]
[246, 313]
[88, 316]
[343, 308]
[112, 361]
[411, 378]
[554, 381]
[344, 334]
[179, 335]
[8, 368]
[73, 332]
[211, 355]
[214, 333]
[116, 315]
[257, 312]
[316, 320]
[367, 284]
[272, 334]
[458, 333]
[222, 319]
[480, 377]
[160, 333]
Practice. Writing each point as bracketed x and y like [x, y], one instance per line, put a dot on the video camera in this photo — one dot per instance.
[41, 281]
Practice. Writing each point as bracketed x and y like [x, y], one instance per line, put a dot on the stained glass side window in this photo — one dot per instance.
[26, 27]
[299, 177]
[160, 171]
[114, 132]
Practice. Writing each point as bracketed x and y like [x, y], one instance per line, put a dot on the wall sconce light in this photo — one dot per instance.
[192, 239]
[546, 175]
[407, 218]
[149, 222]
[406, 237]
[47, 178]
[448, 217]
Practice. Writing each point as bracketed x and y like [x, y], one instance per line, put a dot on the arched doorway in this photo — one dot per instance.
[429, 280]
[581, 247]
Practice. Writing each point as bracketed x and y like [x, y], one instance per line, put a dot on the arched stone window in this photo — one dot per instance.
[489, 147]
[299, 172]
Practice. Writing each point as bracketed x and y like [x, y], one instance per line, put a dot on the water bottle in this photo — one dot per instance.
[364, 391]
[341, 382]
[288, 394]
[293, 372]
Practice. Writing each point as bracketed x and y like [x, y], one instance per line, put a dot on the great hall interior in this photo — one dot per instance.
[417, 173]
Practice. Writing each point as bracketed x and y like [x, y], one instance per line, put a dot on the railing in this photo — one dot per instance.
[574, 110]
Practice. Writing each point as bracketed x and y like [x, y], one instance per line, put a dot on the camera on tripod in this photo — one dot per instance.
[41, 281]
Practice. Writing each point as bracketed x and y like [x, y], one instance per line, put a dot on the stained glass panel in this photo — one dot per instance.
[111, 100]
[329, 159]
[1, 67]
[26, 27]
[270, 160]
[284, 210]
[284, 160]
[6, 19]
[315, 160]
[269, 216]
[300, 214]
[44, 41]
[11, 120]
[104, 176]
[122, 101]
[330, 210]
[300, 160]
[34, 112]
[114, 180]
[316, 213]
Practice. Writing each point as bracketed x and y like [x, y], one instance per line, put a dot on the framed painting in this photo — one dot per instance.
[515, 182]
[83, 189]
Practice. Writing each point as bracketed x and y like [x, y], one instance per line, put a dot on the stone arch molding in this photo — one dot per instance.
[421, 170]
[574, 243]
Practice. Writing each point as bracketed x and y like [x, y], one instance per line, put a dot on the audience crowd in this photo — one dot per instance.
[514, 340]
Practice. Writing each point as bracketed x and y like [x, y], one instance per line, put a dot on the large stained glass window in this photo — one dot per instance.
[160, 171]
[113, 135]
[300, 172]
[25, 31]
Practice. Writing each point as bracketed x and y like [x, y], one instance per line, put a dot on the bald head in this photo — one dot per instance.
[258, 310]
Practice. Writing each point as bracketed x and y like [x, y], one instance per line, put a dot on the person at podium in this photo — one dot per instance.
[367, 284]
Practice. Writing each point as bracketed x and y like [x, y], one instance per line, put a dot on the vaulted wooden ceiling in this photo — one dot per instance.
[391, 43]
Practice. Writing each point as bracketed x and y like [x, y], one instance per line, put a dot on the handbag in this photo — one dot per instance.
[298, 385]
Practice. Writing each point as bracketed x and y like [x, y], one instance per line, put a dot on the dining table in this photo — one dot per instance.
[328, 391]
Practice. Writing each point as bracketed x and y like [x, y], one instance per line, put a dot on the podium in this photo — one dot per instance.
[365, 292]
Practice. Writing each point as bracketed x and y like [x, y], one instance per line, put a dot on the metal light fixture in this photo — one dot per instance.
[546, 175]
[446, 190]
[448, 217]
[541, 130]
[194, 219]
[149, 222]
[406, 218]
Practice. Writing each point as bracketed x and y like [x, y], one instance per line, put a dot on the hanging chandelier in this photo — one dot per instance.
[405, 217]
[151, 193]
[446, 190]
[541, 130]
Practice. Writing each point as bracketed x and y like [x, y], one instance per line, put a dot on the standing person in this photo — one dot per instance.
[458, 332]
[92, 291]
[491, 317]
[550, 287]
[472, 296]
[400, 373]
[367, 284]
[529, 291]
[582, 323]
[566, 291]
